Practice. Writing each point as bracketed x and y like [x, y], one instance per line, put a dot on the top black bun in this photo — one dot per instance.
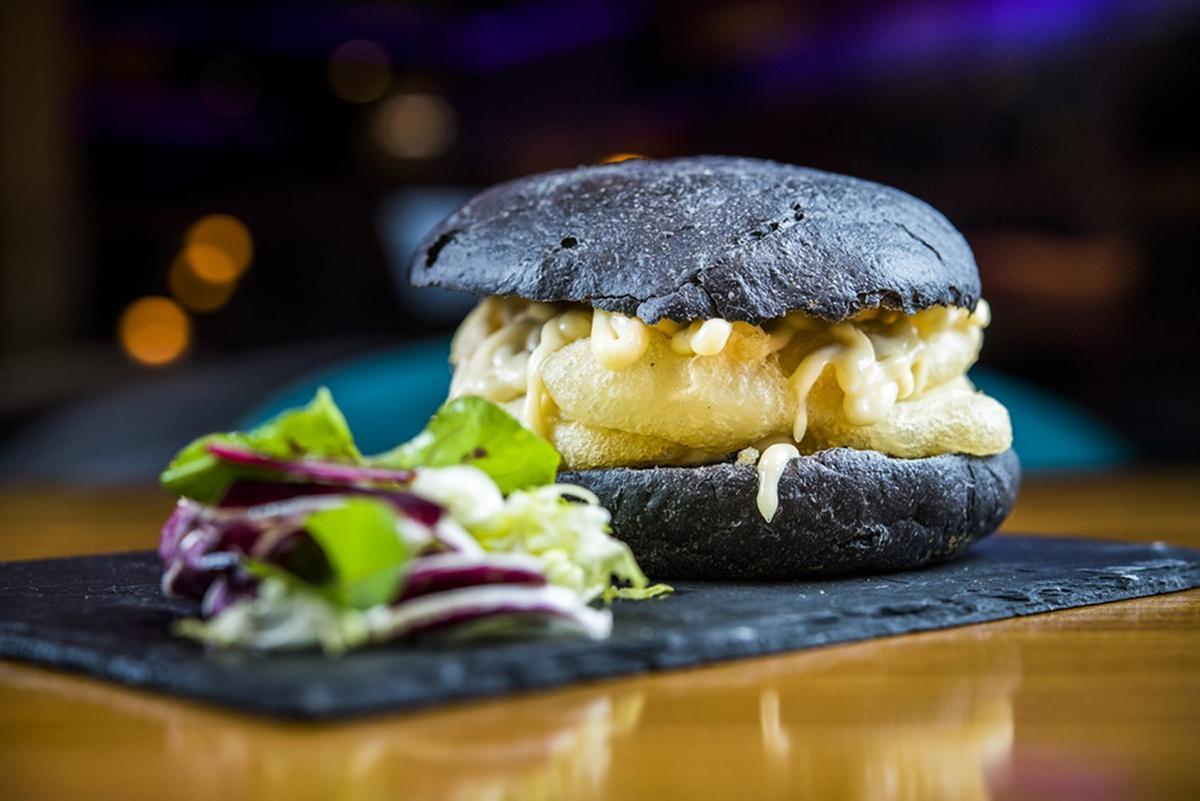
[701, 237]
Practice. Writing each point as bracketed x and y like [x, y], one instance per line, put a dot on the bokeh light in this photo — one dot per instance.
[415, 126]
[617, 158]
[210, 264]
[218, 248]
[230, 86]
[154, 331]
[193, 291]
[360, 71]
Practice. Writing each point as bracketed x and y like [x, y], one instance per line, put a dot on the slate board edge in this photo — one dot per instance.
[75, 659]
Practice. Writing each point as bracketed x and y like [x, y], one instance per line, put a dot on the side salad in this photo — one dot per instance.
[289, 537]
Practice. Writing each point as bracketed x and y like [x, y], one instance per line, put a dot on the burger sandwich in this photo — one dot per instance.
[759, 368]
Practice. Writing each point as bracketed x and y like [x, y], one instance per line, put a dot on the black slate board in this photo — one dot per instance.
[104, 615]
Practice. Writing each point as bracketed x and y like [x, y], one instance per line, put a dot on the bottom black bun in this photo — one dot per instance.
[840, 511]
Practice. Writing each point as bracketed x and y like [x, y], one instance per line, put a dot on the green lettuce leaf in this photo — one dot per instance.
[476, 432]
[317, 431]
[366, 554]
[613, 592]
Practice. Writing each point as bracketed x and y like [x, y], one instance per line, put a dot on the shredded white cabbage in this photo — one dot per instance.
[281, 618]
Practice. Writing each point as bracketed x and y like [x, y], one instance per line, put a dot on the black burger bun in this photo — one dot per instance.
[702, 237]
[840, 511]
[751, 240]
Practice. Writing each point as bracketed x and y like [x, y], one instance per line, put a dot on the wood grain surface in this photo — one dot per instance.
[1094, 703]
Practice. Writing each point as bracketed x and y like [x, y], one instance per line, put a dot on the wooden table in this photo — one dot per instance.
[1095, 703]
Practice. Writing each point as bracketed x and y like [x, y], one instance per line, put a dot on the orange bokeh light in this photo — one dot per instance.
[192, 289]
[360, 71]
[210, 264]
[154, 330]
[415, 126]
[218, 248]
[617, 158]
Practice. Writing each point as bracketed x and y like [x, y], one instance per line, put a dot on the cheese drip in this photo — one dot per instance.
[875, 360]
[501, 346]
[557, 332]
[770, 469]
[881, 357]
[702, 338]
[618, 341]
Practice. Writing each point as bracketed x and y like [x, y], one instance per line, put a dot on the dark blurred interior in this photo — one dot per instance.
[327, 136]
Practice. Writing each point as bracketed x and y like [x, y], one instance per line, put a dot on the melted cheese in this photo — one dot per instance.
[876, 359]
[702, 338]
[618, 341]
[557, 332]
[882, 358]
[770, 469]
[802, 381]
[492, 349]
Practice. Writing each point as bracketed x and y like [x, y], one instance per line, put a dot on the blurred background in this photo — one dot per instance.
[206, 208]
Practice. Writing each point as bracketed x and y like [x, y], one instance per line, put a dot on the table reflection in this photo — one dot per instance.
[885, 721]
[543, 747]
[859, 722]
[545, 751]
[927, 748]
